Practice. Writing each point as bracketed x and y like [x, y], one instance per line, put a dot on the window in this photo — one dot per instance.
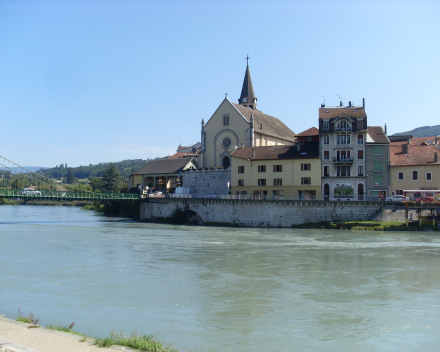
[378, 166]
[360, 139]
[326, 155]
[326, 171]
[343, 139]
[326, 125]
[415, 175]
[360, 171]
[261, 182]
[326, 139]
[360, 154]
[343, 171]
[225, 120]
[378, 180]
[305, 167]
[278, 168]
[377, 150]
[241, 182]
[360, 124]
[277, 181]
[343, 126]
[261, 168]
[400, 175]
[428, 176]
[226, 143]
[306, 180]
[241, 169]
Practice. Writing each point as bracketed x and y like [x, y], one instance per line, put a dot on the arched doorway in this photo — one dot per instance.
[360, 191]
[226, 162]
[326, 192]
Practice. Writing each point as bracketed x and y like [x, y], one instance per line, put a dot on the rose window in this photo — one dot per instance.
[226, 143]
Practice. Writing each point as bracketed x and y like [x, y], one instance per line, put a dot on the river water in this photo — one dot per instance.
[222, 289]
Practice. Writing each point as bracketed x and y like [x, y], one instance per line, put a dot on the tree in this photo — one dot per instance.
[96, 184]
[110, 178]
[70, 178]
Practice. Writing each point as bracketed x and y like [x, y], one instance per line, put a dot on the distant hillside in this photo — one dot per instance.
[425, 131]
[125, 167]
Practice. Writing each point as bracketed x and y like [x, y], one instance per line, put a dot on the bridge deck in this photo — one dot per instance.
[57, 195]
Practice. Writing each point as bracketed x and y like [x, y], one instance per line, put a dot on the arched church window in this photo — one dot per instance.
[226, 143]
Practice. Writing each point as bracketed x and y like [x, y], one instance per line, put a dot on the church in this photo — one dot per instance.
[233, 126]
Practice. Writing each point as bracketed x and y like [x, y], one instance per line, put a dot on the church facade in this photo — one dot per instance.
[234, 126]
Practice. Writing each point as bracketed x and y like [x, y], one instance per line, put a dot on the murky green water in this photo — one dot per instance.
[222, 289]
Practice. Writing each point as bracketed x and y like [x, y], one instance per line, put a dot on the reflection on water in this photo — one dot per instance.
[224, 288]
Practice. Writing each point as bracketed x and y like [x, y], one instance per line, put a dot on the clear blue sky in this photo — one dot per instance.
[94, 81]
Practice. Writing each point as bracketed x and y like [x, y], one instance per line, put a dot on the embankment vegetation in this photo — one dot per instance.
[366, 226]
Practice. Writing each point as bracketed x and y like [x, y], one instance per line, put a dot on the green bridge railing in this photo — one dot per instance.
[66, 195]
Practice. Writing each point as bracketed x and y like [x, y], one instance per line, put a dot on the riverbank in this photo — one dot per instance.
[21, 336]
[367, 226]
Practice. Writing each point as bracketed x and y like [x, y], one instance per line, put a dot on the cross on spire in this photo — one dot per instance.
[247, 60]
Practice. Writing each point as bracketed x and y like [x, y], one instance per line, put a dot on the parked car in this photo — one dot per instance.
[425, 199]
[397, 199]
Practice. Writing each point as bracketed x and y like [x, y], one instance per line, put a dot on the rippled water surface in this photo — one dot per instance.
[222, 289]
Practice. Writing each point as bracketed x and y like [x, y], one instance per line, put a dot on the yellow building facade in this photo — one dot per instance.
[277, 171]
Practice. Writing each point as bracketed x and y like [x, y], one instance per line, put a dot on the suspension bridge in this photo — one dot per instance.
[17, 182]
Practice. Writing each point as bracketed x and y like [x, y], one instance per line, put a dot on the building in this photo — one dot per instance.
[413, 166]
[342, 135]
[377, 158]
[187, 152]
[235, 125]
[275, 171]
[162, 174]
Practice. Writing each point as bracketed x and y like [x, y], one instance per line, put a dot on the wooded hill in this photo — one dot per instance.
[125, 168]
[425, 131]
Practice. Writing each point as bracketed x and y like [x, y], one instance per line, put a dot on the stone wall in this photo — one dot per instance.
[207, 181]
[261, 213]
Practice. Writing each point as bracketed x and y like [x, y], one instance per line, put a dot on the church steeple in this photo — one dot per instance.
[247, 97]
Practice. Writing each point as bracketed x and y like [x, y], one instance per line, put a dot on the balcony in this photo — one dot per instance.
[340, 160]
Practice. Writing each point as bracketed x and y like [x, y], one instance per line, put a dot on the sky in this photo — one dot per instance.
[83, 82]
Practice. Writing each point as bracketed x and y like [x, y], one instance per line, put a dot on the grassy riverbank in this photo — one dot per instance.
[366, 226]
[138, 341]
[70, 203]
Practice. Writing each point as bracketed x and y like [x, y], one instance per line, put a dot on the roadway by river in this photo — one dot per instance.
[222, 289]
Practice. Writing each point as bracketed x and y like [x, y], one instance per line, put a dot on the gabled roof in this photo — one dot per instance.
[271, 125]
[376, 134]
[417, 155]
[184, 155]
[309, 150]
[424, 140]
[312, 131]
[350, 111]
[164, 166]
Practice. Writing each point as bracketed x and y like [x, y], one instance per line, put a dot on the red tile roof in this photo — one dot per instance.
[350, 111]
[417, 155]
[312, 131]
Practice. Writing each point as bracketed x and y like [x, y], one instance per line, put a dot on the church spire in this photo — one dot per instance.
[247, 97]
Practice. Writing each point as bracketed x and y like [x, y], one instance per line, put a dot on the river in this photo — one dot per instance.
[222, 289]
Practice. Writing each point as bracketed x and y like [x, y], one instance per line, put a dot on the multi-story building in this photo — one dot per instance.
[277, 171]
[377, 158]
[414, 167]
[342, 140]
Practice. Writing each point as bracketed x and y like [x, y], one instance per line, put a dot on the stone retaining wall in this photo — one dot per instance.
[207, 181]
[261, 213]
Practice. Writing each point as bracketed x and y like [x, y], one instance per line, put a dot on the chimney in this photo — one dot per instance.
[404, 148]
[322, 105]
[349, 103]
[340, 103]
[435, 157]
[363, 103]
[386, 129]
[253, 153]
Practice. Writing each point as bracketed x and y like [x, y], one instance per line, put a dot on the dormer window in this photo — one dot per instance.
[326, 124]
[343, 126]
